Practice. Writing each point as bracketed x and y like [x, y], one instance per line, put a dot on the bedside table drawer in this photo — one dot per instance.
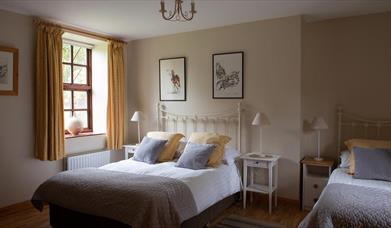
[130, 149]
[313, 189]
[315, 184]
[257, 164]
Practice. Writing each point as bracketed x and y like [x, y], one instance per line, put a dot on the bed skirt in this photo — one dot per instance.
[63, 218]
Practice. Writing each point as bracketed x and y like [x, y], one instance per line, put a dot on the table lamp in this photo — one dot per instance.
[319, 124]
[136, 118]
[260, 120]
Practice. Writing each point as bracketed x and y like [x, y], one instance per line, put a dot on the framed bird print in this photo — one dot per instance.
[228, 75]
[172, 79]
[9, 58]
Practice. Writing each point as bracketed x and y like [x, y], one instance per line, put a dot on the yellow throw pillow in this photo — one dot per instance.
[211, 138]
[169, 149]
[364, 143]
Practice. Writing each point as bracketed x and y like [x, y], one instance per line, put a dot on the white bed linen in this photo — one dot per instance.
[207, 185]
[341, 175]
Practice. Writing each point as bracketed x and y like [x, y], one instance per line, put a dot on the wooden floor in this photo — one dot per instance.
[24, 215]
[287, 214]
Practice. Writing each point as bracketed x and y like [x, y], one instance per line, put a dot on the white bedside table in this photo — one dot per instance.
[315, 175]
[129, 150]
[262, 161]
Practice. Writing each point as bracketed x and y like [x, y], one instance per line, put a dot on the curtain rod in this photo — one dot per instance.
[78, 43]
[78, 31]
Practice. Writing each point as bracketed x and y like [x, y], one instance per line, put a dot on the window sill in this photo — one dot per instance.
[83, 134]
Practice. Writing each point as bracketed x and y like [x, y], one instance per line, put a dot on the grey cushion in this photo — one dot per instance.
[195, 156]
[372, 163]
[149, 150]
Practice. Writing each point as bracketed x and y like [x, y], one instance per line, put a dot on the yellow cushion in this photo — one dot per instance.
[211, 138]
[364, 143]
[169, 149]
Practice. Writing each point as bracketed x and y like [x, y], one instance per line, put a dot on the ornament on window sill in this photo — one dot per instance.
[75, 126]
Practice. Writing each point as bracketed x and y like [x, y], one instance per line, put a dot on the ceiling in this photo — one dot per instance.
[137, 19]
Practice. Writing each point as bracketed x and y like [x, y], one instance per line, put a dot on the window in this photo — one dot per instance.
[77, 80]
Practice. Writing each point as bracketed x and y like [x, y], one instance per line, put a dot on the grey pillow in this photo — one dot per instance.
[372, 163]
[195, 156]
[149, 150]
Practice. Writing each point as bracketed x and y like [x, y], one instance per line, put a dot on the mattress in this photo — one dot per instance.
[208, 186]
[341, 175]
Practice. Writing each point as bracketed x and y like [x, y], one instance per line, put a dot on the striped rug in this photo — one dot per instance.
[236, 221]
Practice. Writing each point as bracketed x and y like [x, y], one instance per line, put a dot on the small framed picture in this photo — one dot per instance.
[172, 79]
[228, 75]
[9, 71]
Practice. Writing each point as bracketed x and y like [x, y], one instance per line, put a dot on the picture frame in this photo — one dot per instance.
[9, 71]
[172, 79]
[228, 75]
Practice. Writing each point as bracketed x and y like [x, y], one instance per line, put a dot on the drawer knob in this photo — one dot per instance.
[315, 186]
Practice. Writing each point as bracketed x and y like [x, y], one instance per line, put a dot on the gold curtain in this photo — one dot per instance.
[116, 103]
[49, 113]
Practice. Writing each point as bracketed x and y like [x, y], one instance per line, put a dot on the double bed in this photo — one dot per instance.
[208, 186]
[348, 200]
[131, 193]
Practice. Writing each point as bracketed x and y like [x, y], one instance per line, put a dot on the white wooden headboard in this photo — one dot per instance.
[354, 126]
[226, 123]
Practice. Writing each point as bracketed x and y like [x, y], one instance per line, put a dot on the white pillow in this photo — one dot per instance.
[230, 155]
[344, 159]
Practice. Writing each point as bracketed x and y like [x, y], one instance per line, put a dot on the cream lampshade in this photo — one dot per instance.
[260, 120]
[319, 124]
[136, 118]
[257, 119]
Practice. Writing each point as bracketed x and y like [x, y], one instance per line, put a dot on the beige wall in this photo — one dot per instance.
[345, 62]
[272, 82]
[20, 173]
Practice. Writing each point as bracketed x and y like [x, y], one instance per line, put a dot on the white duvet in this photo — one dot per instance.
[207, 185]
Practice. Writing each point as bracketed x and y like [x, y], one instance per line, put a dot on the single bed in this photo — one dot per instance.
[213, 189]
[347, 201]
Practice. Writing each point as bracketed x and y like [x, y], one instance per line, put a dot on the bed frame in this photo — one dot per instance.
[227, 123]
[355, 126]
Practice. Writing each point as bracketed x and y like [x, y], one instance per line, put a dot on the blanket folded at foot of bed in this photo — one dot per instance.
[343, 205]
[133, 199]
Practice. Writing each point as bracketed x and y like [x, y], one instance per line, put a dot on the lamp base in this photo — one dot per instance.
[318, 159]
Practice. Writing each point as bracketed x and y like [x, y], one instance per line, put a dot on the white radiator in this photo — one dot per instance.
[88, 160]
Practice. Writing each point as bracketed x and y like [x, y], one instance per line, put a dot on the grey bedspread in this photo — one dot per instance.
[136, 200]
[342, 205]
